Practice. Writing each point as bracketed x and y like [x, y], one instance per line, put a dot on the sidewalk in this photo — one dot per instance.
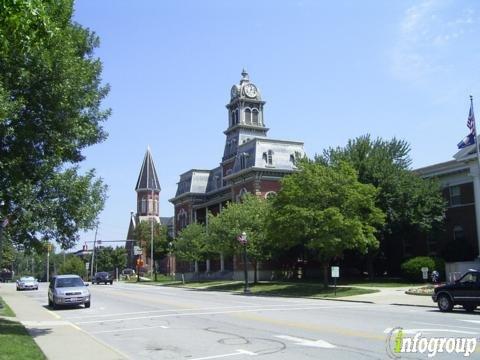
[392, 296]
[54, 336]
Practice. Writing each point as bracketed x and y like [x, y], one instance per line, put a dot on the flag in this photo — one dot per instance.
[470, 138]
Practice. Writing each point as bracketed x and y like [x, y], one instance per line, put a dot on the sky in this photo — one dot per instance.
[329, 71]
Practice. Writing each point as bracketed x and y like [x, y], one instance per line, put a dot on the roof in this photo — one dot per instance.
[148, 178]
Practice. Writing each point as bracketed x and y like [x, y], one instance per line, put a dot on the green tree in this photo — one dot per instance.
[250, 216]
[50, 111]
[143, 235]
[411, 204]
[109, 259]
[327, 209]
[191, 243]
[73, 265]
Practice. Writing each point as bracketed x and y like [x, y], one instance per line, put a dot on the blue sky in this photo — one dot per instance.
[329, 71]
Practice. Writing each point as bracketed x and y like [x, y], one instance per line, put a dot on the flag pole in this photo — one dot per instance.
[475, 131]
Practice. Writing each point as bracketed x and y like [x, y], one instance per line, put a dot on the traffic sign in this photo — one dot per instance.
[137, 250]
[335, 272]
[87, 265]
[424, 273]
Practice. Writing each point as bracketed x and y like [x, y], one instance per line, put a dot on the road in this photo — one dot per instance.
[155, 322]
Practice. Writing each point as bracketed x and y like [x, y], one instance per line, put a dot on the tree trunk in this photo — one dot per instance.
[255, 275]
[325, 274]
[370, 269]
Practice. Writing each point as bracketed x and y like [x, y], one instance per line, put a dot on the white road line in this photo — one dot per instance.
[238, 352]
[177, 310]
[471, 321]
[212, 313]
[307, 342]
[130, 329]
[455, 326]
[414, 331]
[47, 323]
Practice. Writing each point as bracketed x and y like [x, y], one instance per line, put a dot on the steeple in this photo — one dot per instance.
[148, 179]
[148, 189]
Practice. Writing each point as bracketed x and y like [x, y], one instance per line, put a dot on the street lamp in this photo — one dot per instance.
[243, 240]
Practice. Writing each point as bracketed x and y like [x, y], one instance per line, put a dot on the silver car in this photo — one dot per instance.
[27, 283]
[68, 290]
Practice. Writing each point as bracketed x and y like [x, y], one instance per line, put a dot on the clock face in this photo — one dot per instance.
[234, 91]
[250, 90]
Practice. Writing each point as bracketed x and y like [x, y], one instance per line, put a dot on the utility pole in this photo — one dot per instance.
[151, 234]
[93, 253]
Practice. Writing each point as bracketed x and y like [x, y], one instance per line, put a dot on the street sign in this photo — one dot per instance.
[424, 273]
[137, 250]
[335, 272]
[87, 265]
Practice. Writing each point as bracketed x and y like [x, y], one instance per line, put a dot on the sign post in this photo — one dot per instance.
[243, 240]
[335, 275]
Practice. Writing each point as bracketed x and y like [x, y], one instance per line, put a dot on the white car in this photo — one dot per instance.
[27, 283]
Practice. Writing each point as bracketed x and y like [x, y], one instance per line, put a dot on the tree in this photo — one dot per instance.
[411, 204]
[143, 235]
[328, 209]
[50, 111]
[73, 265]
[250, 216]
[109, 259]
[191, 244]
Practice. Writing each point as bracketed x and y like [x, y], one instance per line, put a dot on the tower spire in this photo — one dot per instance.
[148, 178]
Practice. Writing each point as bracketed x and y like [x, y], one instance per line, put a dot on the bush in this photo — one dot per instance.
[73, 265]
[412, 268]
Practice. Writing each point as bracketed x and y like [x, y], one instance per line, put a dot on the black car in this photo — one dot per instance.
[102, 277]
[464, 291]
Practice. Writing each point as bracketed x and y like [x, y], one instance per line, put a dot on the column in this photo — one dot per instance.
[475, 173]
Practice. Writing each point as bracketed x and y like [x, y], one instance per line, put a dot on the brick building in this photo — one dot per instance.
[251, 162]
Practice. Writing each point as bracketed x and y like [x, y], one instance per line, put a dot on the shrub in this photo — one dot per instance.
[412, 268]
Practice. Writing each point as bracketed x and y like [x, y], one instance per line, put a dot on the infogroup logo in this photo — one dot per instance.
[398, 344]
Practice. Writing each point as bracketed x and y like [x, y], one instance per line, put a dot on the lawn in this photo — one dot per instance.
[16, 343]
[279, 288]
[5, 309]
[379, 283]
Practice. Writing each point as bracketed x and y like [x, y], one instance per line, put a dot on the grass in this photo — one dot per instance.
[16, 343]
[279, 288]
[379, 283]
[5, 309]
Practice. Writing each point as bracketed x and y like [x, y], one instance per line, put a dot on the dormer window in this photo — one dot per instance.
[270, 157]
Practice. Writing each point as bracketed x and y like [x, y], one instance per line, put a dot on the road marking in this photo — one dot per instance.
[178, 310]
[129, 329]
[213, 313]
[455, 326]
[471, 321]
[47, 323]
[306, 342]
[414, 331]
[238, 352]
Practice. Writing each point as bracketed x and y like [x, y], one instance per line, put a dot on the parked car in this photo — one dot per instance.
[27, 283]
[103, 277]
[6, 275]
[128, 272]
[68, 290]
[464, 291]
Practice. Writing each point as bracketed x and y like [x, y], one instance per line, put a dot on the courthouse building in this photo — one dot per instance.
[251, 162]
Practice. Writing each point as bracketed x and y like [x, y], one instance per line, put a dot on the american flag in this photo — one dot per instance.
[470, 138]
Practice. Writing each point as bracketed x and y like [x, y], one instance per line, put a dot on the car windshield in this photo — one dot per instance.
[29, 278]
[69, 282]
[101, 274]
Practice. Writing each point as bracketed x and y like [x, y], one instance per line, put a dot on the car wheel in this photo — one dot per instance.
[18, 289]
[54, 305]
[111, 282]
[469, 307]
[87, 305]
[445, 304]
[50, 303]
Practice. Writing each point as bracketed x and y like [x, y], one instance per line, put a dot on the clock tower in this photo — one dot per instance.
[245, 117]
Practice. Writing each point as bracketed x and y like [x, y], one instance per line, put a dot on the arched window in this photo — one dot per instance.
[270, 194]
[144, 204]
[182, 219]
[458, 233]
[232, 118]
[255, 117]
[237, 116]
[248, 116]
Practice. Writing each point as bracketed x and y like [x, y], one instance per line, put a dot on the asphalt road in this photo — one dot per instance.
[154, 322]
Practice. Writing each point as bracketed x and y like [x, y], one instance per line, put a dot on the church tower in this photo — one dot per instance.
[245, 117]
[148, 190]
